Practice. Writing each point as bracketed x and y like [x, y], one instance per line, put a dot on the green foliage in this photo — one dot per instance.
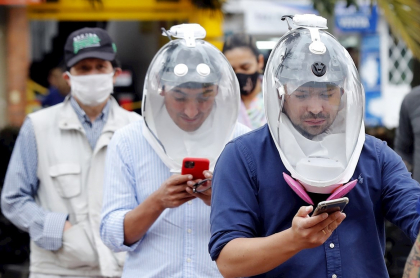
[404, 20]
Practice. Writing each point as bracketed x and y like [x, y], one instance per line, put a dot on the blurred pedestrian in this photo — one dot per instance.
[58, 89]
[149, 209]
[243, 55]
[53, 185]
[407, 137]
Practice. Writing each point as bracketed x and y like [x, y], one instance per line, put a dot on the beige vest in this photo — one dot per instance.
[70, 177]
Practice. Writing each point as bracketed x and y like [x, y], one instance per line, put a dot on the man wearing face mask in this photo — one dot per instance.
[53, 186]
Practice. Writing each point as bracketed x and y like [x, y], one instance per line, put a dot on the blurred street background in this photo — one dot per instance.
[381, 36]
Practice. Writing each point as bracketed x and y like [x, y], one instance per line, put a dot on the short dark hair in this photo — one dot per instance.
[241, 40]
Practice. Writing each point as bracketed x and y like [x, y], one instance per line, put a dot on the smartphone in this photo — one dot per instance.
[331, 206]
[195, 167]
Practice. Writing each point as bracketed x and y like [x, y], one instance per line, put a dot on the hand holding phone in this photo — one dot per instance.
[310, 232]
[172, 192]
[331, 206]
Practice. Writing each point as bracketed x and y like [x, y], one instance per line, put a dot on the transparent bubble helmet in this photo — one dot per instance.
[190, 102]
[314, 103]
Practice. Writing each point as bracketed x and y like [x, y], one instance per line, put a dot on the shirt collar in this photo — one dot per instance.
[81, 114]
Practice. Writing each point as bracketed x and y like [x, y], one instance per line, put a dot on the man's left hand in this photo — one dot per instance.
[205, 196]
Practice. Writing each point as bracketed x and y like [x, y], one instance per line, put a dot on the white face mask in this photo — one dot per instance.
[92, 89]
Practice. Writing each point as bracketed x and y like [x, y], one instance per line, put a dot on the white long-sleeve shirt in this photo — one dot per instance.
[176, 244]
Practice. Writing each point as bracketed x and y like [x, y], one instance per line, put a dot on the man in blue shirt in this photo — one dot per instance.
[58, 89]
[312, 149]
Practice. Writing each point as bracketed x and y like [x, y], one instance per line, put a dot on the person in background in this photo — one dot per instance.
[53, 185]
[58, 90]
[407, 137]
[242, 53]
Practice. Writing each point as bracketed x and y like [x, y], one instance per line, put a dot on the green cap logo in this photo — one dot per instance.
[85, 41]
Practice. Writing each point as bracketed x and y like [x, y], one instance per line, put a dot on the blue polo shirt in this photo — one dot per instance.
[250, 198]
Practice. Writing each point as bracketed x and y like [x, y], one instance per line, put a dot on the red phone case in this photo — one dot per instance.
[195, 166]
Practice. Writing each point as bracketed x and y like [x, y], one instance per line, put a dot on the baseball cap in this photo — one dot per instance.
[89, 43]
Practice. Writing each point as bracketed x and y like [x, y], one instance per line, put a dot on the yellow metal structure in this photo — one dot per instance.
[212, 21]
[95, 10]
[33, 89]
[137, 10]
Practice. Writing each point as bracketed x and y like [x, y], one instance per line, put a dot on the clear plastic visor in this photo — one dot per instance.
[315, 117]
[190, 110]
[189, 104]
[313, 107]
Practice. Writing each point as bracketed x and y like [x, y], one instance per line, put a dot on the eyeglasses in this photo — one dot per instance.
[202, 186]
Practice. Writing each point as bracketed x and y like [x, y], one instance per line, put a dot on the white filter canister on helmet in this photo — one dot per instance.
[310, 20]
[189, 32]
[314, 104]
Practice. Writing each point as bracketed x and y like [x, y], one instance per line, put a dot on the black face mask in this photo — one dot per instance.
[247, 82]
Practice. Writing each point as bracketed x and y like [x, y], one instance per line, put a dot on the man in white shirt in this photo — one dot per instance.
[190, 107]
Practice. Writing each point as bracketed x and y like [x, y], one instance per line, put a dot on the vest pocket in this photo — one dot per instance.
[77, 250]
[66, 176]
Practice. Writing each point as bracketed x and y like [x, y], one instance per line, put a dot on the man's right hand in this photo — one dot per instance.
[310, 232]
[172, 193]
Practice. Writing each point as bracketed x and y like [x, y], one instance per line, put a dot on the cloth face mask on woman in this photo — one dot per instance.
[247, 82]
